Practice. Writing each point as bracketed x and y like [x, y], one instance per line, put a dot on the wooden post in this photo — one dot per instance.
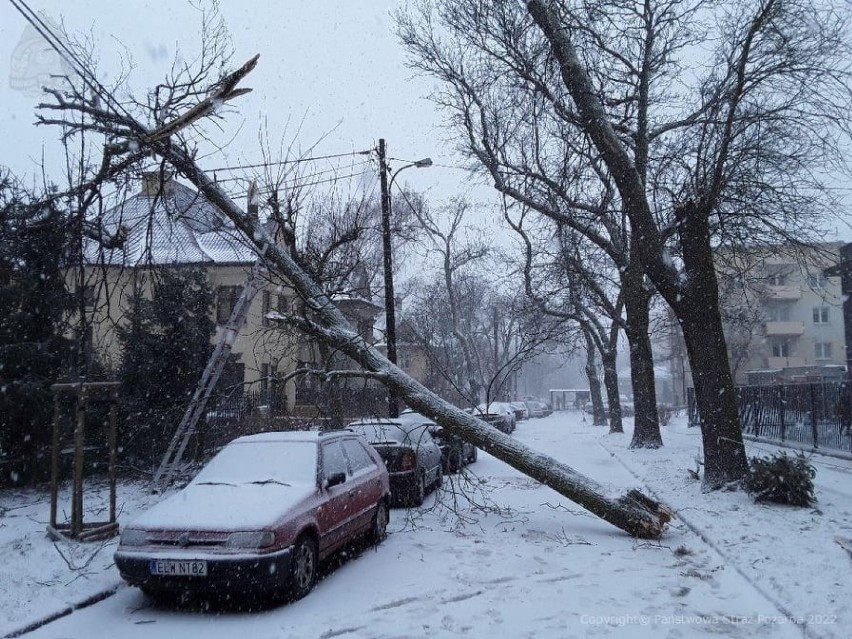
[79, 440]
[113, 401]
[54, 461]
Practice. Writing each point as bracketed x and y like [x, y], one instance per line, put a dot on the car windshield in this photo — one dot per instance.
[494, 408]
[262, 463]
[390, 432]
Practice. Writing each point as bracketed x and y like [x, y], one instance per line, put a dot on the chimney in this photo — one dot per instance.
[252, 201]
[156, 183]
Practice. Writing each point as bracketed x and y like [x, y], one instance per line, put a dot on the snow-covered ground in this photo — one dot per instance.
[500, 556]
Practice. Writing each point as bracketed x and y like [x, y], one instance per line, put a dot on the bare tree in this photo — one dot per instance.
[574, 284]
[737, 145]
[500, 92]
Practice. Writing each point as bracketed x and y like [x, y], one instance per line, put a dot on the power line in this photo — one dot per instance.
[301, 185]
[261, 165]
[298, 177]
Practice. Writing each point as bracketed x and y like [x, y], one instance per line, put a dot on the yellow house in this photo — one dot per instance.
[169, 225]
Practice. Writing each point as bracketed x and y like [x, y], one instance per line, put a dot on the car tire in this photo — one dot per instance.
[303, 569]
[379, 529]
[418, 490]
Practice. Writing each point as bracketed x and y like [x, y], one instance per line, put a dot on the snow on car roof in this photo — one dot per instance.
[284, 436]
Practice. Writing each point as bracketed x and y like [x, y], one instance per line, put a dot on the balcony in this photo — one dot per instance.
[785, 292]
[785, 362]
[785, 329]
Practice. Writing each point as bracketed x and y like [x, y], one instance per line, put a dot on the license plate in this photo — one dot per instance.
[174, 568]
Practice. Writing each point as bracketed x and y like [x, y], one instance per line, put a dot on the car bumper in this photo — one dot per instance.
[225, 573]
[402, 483]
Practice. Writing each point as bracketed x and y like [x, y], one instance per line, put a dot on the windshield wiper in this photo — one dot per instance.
[263, 482]
[214, 483]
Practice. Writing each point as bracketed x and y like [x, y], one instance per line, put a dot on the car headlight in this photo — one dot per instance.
[133, 537]
[252, 539]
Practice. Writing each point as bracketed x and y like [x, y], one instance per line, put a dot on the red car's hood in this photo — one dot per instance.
[225, 507]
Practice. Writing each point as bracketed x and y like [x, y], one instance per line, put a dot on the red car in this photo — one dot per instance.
[259, 517]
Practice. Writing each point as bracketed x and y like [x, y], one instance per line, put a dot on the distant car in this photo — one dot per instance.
[455, 452]
[535, 408]
[412, 456]
[627, 409]
[498, 414]
[521, 411]
[259, 517]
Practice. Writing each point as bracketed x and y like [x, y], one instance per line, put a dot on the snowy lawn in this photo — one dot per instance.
[507, 558]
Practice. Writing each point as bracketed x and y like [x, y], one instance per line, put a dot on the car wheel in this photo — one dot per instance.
[418, 491]
[379, 530]
[304, 567]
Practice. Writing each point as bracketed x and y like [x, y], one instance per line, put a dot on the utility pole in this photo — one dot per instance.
[387, 247]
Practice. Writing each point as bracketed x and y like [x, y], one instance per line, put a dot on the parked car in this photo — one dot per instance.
[521, 411]
[455, 452]
[259, 517]
[412, 456]
[627, 409]
[535, 408]
[498, 414]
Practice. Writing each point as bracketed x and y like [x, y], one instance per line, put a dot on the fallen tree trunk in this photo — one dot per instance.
[634, 513]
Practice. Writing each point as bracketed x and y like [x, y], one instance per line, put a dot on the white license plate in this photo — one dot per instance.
[175, 568]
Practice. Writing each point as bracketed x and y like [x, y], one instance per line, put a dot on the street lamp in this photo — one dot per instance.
[390, 311]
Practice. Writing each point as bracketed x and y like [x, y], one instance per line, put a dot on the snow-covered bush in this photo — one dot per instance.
[782, 479]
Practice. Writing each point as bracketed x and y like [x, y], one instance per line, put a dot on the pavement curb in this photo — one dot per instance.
[67, 610]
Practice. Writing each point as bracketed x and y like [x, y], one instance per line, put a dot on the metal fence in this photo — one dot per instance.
[816, 415]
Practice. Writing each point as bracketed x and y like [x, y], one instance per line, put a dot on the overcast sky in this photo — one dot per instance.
[333, 69]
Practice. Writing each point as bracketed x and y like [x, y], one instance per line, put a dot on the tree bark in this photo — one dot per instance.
[701, 320]
[612, 391]
[646, 423]
[598, 412]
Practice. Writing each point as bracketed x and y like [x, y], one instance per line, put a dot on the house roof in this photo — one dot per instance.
[179, 226]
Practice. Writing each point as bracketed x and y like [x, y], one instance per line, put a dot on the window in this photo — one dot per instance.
[333, 460]
[822, 350]
[264, 377]
[777, 279]
[89, 296]
[781, 349]
[280, 306]
[778, 313]
[817, 282]
[359, 458]
[821, 315]
[226, 300]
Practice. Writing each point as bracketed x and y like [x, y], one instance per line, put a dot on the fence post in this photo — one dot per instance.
[814, 430]
[782, 405]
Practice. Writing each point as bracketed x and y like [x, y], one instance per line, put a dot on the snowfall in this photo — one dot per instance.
[494, 554]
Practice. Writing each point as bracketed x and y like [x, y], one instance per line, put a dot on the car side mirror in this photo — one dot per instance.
[335, 479]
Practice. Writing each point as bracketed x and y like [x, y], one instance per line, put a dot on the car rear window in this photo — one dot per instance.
[245, 462]
[398, 433]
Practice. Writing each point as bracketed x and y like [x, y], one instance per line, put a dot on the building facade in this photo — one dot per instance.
[168, 225]
[783, 318]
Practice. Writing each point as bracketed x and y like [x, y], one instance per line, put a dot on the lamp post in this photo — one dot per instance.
[387, 247]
